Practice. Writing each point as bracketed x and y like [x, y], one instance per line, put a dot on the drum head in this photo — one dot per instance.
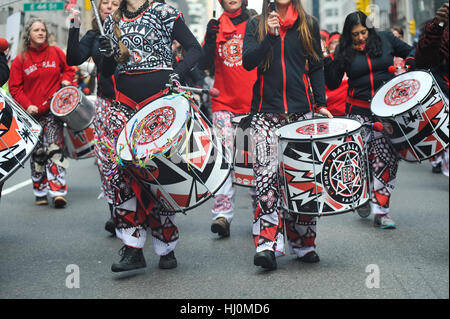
[318, 128]
[401, 94]
[153, 127]
[65, 100]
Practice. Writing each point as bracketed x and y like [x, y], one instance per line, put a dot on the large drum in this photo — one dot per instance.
[414, 113]
[243, 157]
[323, 166]
[19, 135]
[170, 148]
[71, 106]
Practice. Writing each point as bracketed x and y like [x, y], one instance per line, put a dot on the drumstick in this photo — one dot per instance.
[212, 92]
[97, 18]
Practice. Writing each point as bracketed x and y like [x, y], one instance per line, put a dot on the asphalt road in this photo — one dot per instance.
[45, 251]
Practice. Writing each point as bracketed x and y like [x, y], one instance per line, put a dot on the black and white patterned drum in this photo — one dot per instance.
[19, 135]
[243, 156]
[414, 113]
[176, 156]
[323, 166]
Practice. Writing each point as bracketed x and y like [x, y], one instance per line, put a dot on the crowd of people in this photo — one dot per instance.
[285, 68]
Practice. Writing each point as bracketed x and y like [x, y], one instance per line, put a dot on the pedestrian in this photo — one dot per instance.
[4, 74]
[365, 55]
[79, 51]
[37, 72]
[281, 44]
[141, 70]
[432, 53]
[223, 50]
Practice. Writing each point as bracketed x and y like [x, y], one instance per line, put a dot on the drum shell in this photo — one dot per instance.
[80, 117]
[309, 170]
[15, 148]
[243, 156]
[81, 144]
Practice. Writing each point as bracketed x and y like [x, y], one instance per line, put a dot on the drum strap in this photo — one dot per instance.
[122, 98]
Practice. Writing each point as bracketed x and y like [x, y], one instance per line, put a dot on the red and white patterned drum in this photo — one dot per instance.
[170, 148]
[323, 166]
[243, 157]
[19, 135]
[72, 107]
[79, 145]
[414, 113]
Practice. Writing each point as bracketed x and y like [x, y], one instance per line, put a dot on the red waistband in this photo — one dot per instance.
[358, 103]
[122, 98]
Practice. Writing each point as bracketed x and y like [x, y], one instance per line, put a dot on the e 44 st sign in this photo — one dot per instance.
[43, 6]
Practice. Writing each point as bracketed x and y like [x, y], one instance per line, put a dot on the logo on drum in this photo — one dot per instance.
[402, 92]
[342, 173]
[155, 125]
[65, 100]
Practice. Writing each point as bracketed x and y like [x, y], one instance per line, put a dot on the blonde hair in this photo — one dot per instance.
[304, 29]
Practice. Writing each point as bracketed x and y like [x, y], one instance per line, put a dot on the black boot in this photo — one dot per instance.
[266, 259]
[168, 261]
[132, 258]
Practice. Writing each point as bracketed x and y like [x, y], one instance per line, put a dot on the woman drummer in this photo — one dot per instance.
[140, 55]
[36, 74]
[78, 51]
[366, 55]
[280, 44]
[222, 50]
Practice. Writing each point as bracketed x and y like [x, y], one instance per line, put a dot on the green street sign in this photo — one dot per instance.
[43, 6]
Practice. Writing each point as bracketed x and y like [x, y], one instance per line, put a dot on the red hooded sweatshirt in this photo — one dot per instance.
[37, 74]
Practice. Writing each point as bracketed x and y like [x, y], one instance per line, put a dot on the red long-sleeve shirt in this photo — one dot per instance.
[37, 74]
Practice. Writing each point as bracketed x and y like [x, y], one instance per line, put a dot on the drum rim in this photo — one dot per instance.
[320, 138]
[377, 90]
[68, 113]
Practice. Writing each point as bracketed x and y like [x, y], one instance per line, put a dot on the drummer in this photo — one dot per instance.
[141, 72]
[432, 53]
[222, 36]
[78, 51]
[283, 93]
[37, 72]
[366, 55]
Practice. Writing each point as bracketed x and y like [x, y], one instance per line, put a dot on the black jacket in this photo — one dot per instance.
[79, 51]
[365, 74]
[4, 69]
[286, 87]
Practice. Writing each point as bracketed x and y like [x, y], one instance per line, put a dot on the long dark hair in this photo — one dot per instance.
[345, 53]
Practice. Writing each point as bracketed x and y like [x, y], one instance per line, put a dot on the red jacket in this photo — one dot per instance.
[37, 74]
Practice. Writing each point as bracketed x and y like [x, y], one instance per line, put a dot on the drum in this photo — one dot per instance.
[243, 157]
[79, 145]
[71, 106]
[414, 114]
[323, 166]
[169, 147]
[19, 135]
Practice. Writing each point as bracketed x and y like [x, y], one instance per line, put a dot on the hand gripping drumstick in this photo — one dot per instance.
[273, 8]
